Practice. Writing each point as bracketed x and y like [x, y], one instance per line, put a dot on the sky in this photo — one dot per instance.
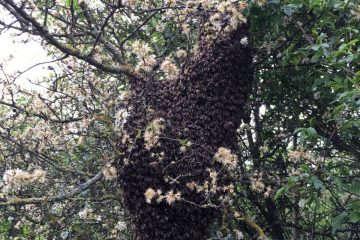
[24, 55]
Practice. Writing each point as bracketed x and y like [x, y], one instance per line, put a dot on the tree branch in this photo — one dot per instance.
[20, 13]
[24, 201]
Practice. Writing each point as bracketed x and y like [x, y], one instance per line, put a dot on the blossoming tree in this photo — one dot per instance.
[180, 119]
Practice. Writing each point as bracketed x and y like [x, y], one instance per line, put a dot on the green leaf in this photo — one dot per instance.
[337, 221]
[239, 188]
[74, 3]
[355, 205]
[290, 9]
[312, 122]
[338, 110]
[316, 47]
[311, 199]
[304, 168]
[311, 131]
[297, 130]
[317, 182]
[354, 188]
[282, 190]
[338, 181]
[354, 217]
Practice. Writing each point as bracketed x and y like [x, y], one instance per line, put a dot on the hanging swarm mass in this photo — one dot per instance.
[180, 139]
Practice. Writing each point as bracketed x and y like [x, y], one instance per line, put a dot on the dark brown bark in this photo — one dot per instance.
[203, 105]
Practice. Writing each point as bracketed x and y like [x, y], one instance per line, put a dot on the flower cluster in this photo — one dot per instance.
[185, 145]
[86, 213]
[169, 68]
[210, 187]
[143, 52]
[264, 149]
[356, 12]
[119, 227]
[244, 41]
[170, 197]
[257, 185]
[224, 156]
[120, 118]
[260, 2]
[300, 155]
[150, 194]
[181, 54]
[94, 4]
[238, 235]
[204, 188]
[227, 17]
[14, 179]
[109, 172]
[152, 132]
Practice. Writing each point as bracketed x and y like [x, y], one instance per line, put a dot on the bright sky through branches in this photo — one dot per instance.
[18, 56]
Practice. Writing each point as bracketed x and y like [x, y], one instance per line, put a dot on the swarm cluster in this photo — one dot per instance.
[183, 133]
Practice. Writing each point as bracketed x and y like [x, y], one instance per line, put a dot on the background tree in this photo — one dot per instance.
[127, 76]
